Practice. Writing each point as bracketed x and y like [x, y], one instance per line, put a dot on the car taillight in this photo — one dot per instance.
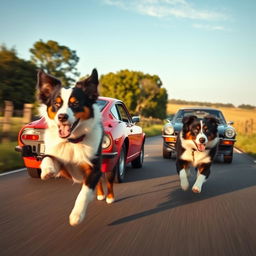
[29, 137]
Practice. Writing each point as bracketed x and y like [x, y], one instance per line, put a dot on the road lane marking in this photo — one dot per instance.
[11, 172]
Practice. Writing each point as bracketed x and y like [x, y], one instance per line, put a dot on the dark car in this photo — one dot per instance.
[123, 141]
[227, 133]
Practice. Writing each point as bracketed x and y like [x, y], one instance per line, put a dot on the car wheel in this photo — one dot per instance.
[228, 159]
[166, 154]
[138, 162]
[121, 166]
[34, 172]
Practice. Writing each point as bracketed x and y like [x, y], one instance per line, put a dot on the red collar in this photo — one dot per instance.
[76, 140]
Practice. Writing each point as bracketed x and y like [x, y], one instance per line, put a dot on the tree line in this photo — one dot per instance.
[142, 93]
[209, 104]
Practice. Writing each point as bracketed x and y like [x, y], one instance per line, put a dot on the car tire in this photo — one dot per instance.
[138, 162]
[34, 172]
[166, 154]
[121, 166]
[228, 159]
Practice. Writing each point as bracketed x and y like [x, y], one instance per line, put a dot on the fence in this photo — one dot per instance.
[9, 125]
[247, 127]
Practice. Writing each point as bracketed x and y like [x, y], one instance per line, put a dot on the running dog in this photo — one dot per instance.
[73, 137]
[196, 146]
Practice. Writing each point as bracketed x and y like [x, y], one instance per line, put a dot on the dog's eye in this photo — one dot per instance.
[57, 104]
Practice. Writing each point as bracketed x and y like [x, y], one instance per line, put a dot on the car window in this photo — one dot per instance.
[200, 113]
[101, 104]
[115, 112]
[122, 113]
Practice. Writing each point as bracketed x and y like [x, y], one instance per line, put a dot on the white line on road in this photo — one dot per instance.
[11, 172]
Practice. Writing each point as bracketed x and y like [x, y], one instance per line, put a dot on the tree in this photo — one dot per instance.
[17, 78]
[142, 93]
[57, 60]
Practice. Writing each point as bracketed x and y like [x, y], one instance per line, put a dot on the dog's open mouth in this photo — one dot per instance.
[200, 146]
[66, 128]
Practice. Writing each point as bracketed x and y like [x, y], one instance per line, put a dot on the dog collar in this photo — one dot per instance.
[76, 140]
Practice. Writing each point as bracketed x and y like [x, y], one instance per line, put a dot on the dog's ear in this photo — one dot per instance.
[47, 85]
[187, 120]
[90, 85]
[212, 119]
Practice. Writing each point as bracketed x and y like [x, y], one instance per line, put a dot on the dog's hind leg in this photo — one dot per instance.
[110, 185]
[49, 167]
[100, 192]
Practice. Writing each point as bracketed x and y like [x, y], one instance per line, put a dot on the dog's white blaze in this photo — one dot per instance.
[65, 109]
[199, 182]
[84, 197]
[184, 179]
[201, 134]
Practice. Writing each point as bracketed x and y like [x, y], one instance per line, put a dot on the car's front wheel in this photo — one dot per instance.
[138, 162]
[121, 166]
[228, 159]
[166, 154]
[34, 172]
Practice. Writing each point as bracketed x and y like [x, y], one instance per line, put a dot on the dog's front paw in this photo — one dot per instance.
[196, 189]
[75, 218]
[47, 173]
[184, 183]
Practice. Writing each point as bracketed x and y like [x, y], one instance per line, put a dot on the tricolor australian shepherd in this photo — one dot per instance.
[196, 146]
[74, 136]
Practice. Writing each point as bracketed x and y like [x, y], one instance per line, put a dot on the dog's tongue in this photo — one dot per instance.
[201, 147]
[64, 130]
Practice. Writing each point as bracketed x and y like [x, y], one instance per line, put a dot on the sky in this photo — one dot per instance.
[203, 50]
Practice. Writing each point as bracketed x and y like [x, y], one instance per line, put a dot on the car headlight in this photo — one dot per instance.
[168, 129]
[106, 142]
[230, 132]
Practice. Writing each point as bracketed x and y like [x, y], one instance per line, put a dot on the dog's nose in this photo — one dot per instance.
[62, 117]
[202, 140]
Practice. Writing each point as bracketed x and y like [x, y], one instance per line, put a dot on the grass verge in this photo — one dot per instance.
[247, 143]
[9, 158]
[153, 130]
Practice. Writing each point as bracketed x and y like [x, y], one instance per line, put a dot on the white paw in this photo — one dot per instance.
[184, 184]
[110, 200]
[47, 173]
[100, 197]
[75, 219]
[196, 189]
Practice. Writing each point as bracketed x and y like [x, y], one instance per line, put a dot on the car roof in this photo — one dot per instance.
[199, 108]
[108, 99]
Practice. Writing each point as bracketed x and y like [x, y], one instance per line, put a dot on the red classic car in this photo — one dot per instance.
[123, 140]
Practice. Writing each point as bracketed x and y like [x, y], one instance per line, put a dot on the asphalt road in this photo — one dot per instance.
[151, 216]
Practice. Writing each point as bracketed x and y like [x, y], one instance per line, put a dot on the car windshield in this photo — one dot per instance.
[200, 113]
[101, 104]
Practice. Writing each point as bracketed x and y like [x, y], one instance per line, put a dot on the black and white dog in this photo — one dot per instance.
[74, 136]
[196, 146]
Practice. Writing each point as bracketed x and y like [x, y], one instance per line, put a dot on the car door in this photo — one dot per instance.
[131, 130]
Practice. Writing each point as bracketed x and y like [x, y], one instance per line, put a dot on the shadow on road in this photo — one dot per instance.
[238, 176]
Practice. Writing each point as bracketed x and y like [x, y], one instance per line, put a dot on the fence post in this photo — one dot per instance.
[27, 113]
[8, 112]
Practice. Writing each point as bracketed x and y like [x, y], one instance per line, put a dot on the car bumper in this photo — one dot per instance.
[225, 146]
[33, 160]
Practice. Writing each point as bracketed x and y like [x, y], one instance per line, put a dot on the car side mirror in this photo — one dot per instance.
[230, 123]
[135, 119]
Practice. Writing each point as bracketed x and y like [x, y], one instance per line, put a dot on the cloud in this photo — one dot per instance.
[209, 27]
[168, 8]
